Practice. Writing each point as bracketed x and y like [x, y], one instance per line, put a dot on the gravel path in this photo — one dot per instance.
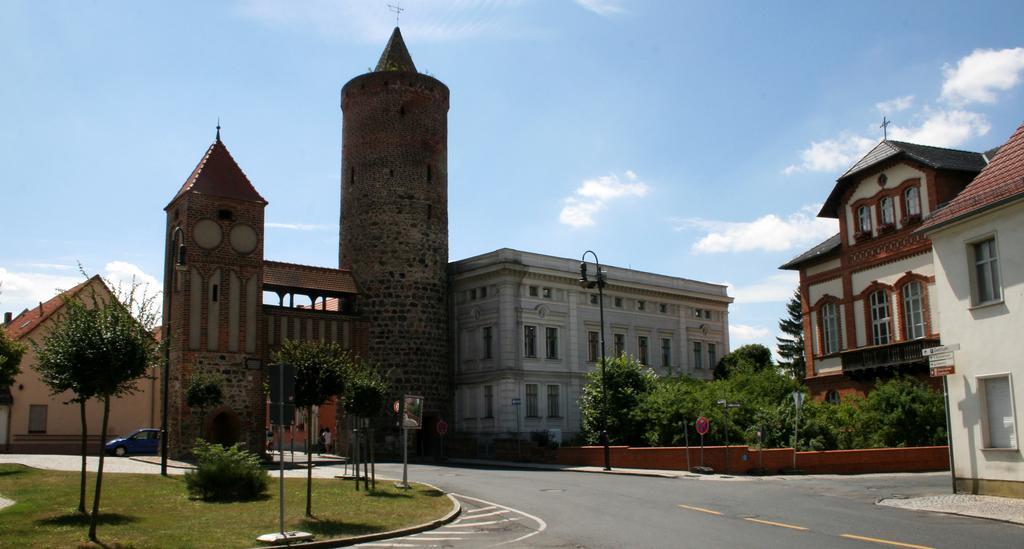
[1005, 509]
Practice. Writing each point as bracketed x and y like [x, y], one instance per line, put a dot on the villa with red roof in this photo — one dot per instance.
[979, 293]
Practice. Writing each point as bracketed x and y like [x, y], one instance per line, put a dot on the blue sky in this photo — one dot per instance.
[695, 139]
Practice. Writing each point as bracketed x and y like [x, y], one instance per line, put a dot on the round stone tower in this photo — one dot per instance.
[394, 221]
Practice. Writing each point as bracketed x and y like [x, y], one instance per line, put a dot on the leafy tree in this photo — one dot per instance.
[204, 391]
[320, 369]
[904, 412]
[791, 347]
[754, 356]
[365, 393]
[11, 352]
[628, 383]
[99, 351]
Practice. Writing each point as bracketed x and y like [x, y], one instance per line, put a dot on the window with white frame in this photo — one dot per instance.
[829, 328]
[531, 400]
[620, 344]
[545, 293]
[533, 291]
[913, 311]
[551, 342]
[879, 301]
[618, 302]
[1000, 428]
[593, 346]
[864, 219]
[888, 211]
[912, 198]
[553, 405]
[530, 341]
[488, 401]
[641, 305]
[698, 356]
[642, 349]
[986, 272]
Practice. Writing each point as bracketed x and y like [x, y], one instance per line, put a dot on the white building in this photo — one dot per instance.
[978, 245]
[524, 331]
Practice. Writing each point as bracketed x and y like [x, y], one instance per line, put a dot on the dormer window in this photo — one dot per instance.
[864, 219]
[888, 211]
[912, 198]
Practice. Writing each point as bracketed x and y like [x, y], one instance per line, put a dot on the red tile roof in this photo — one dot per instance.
[292, 275]
[219, 175]
[30, 319]
[1002, 179]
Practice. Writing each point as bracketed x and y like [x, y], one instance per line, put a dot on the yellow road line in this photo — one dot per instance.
[884, 541]
[701, 509]
[779, 524]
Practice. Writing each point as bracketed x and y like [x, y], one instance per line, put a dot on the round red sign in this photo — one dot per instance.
[442, 427]
[702, 425]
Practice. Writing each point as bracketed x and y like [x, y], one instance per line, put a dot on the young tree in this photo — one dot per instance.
[628, 382]
[365, 392]
[100, 351]
[320, 369]
[791, 347]
[10, 359]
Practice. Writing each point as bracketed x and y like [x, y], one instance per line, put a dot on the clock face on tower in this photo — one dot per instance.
[207, 234]
[243, 239]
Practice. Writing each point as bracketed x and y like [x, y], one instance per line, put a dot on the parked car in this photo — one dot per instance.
[143, 441]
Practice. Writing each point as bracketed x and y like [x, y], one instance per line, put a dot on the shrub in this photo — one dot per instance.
[225, 473]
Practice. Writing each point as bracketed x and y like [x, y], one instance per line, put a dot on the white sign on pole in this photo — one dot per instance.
[939, 361]
[939, 350]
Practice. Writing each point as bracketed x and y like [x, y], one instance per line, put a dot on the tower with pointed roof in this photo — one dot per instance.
[394, 220]
[212, 301]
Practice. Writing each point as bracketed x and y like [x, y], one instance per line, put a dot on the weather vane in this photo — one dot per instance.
[398, 9]
[885, 128]
[218, 128]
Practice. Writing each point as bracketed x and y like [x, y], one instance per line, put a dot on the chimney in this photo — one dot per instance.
[8, 317]
[40, 309]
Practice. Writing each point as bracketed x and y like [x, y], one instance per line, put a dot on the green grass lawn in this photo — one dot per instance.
[153, 511]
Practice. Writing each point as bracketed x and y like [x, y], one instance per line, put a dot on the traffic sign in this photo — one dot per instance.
[943, 371]
[442, 427]
[702, 425]
[940, 360]
[941, 349]
[516, 401]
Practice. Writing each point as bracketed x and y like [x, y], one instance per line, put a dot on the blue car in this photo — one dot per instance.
[143, 441]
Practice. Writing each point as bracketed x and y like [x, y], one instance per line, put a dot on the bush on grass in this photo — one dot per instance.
[225, 473]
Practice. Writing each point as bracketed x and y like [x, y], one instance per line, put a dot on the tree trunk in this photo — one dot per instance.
[85, 450]
[99, 471]
[309, 462]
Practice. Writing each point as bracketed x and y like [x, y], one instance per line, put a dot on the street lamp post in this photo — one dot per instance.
[726, 405]
[175, 263]
[599, 282]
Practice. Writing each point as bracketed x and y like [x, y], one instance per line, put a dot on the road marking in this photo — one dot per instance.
[438, 539]
[462, 532]
[387, 545]
[474, 517]
[884, 541]
[779, 524]
[541, 525]
[464, 524]
[480, 510]
[700, 509]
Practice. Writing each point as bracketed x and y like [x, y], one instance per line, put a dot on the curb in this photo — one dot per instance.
[343, 542]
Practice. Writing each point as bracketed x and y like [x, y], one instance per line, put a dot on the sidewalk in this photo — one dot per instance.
[989, 507]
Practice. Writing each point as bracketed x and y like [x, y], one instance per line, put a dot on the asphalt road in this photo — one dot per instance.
[598, 510]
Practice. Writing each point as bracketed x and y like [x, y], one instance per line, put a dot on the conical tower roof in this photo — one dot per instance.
[396, 56]
[219, 175]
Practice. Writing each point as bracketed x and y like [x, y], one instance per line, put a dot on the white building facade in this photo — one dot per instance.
[525, 334]
[979, 270]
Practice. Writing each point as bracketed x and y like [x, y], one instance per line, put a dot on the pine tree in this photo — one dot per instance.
[791, 348]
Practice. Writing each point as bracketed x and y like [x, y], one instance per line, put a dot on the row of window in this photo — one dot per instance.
[887, 211]
[475, 293]
[880, 318]
[619, 303]
[532, 401]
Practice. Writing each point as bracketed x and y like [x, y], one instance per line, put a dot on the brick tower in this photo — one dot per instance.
[394, 220]
[212, 302]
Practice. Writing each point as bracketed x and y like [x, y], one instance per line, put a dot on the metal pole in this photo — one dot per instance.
[725, 410]
[702, 450]
[405, 457]
[796, 439]
[949, 431]
[686, 436]
[280, 422]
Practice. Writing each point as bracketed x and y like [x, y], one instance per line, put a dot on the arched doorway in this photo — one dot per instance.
[223, 427]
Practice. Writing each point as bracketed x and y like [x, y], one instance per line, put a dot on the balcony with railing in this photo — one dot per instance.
[901, 353]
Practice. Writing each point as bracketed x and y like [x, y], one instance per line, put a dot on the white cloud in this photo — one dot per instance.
[432, 20]
[832, 154]
[301, 226]
[896, 104]
[944, 129]
[739, 333]
[767, 233]
[777, 288]
[49, 266]
[602, 7]
[26, 289]
[978, 76]
[593, 195]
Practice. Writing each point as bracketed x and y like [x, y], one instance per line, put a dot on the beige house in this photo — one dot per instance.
[979, 281]
[34, 421]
